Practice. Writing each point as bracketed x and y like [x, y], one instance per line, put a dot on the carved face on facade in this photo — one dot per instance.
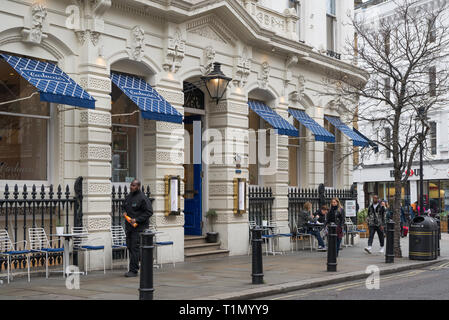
[138, 35]
[39, 13]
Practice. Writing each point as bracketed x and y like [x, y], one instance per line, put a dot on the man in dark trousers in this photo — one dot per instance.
[138, 207]
[376, 223]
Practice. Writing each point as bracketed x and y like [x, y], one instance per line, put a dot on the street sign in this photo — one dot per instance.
[350, 208]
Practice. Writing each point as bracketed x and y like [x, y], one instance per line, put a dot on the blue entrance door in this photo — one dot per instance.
[193, 179]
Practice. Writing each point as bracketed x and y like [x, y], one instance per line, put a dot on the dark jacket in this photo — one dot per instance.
[303, 218]
[138, 206]
[337, 216]
[376, 217]
[321, 216]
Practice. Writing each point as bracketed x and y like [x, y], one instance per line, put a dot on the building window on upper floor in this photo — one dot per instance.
[125, 128]
[297, 5]
[433, 137]
[388, 142]
[433, 81]
[432, 31]
[331, 22]
[387, 87]
[387, 41]
[24, 129]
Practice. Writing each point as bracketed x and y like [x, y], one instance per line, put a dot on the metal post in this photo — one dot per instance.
[439, 235]
[421, 181]
[257, 264]
[389, 256]
[332, 248]
[146, 266]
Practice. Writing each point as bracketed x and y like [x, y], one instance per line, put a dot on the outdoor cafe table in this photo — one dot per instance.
[67, 237]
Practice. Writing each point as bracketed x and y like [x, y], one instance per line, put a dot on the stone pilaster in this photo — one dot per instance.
[163, 144]
[229, 118]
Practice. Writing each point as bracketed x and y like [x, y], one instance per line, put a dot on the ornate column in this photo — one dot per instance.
[228, 123]
[95, 133]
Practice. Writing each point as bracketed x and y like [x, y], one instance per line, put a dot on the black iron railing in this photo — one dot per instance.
[333, 54]
[24, 208]
[317, 197]
[260, 204]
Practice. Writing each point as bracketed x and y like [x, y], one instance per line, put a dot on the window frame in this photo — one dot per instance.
[433, 138]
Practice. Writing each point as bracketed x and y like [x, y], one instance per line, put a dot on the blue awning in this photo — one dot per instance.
[357, 140]
[320, 133]
[152, 105]
[275, 120]
[51, 82]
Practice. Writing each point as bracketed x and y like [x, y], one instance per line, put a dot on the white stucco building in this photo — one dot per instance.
[374, 175]
[276, 52]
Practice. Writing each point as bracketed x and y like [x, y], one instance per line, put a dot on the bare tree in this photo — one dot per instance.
[405, 53]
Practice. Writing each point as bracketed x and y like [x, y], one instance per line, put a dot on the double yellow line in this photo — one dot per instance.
[441, 266]
[351, 285]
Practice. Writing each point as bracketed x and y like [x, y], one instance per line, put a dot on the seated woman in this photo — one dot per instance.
[306, 216]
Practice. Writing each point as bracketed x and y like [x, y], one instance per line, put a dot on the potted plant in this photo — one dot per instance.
[59, 227]
[211, 236]
[361, 221]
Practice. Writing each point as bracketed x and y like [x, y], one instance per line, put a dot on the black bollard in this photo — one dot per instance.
[257, 255]
[146, 289]
[332, 248]
[439, 236]
[389, 255]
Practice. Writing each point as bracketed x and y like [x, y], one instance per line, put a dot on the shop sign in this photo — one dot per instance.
[410, 173]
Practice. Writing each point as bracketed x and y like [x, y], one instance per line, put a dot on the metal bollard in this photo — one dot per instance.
[146, 289]
[439, 236]
[257, 264]
[389, 255]
[332, 248]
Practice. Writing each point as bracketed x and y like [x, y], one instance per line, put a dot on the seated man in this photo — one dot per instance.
[306, 216]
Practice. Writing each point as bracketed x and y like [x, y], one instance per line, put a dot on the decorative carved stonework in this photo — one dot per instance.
[91, 22]
[34, 33]
[175, 52]
[298, 95]
[97, 223]
[137, 46]
[209, 59]
[213, 28]
[242, 69]
[264, 75]
[85, 35]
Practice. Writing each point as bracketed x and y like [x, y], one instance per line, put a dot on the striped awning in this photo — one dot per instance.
[276, 121]
[319, 132]
[152, 105]
[357, 140]
[53, 84]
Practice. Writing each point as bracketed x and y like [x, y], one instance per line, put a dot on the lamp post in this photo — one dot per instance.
[422, 117]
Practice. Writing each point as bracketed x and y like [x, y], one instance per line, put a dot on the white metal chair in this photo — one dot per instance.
[118, 237]
[7, 249]
[162, 239]
[273, 236]
[301, 232]
[38, 242]
[84, 243]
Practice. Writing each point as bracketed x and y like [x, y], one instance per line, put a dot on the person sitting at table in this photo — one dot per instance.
[306, 216]
[320, 215]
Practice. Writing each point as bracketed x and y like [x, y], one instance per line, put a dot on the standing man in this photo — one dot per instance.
[138, 207]
[376, 222]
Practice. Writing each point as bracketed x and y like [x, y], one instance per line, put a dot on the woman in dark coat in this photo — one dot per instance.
[336, 215]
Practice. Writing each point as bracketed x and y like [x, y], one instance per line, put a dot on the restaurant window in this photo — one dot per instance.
[295, 153]
[125, 128]
[433, 137]
[330, 171]
[24, 129]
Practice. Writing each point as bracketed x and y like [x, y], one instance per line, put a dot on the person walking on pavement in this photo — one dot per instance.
[376, 223]
[337, 216]
[136, 206]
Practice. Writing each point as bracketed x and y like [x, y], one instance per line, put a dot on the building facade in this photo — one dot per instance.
[375, 174]
[277, 54]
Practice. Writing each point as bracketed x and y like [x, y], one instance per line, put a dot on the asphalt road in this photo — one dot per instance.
[431, 283]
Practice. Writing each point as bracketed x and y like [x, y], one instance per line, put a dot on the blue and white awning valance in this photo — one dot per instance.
[152, 105]
[357, 140]
[275, 120]
[53, 84]
[320, 133]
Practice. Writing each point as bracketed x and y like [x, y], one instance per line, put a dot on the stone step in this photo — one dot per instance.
[200, 247]
[206, 255]
[191, 240]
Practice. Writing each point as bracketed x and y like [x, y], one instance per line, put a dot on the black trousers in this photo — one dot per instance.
[133, 244]
[380, 234]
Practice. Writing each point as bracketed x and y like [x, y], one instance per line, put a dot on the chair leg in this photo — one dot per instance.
[9, 263]
[104, 262]
[46, 265]
[173, 256]
[28, 263]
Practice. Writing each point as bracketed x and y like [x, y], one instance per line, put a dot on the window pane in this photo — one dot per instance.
[124, 111]
[23, 148]
[124, 154]
[330, 33]
[13, 86]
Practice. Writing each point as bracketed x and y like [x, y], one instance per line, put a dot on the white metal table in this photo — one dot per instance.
[66, 255]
